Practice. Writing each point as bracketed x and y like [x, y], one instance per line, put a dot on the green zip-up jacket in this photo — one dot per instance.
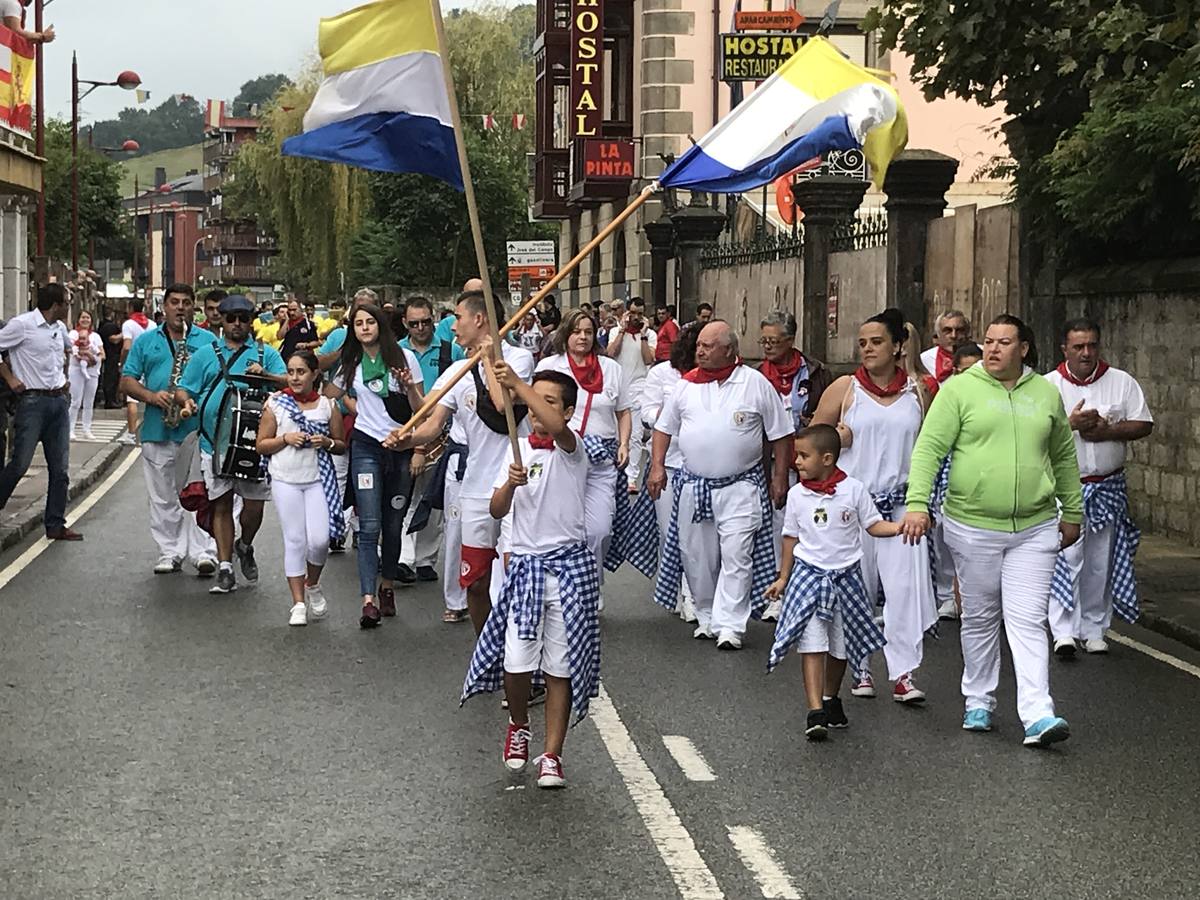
[1013, 453]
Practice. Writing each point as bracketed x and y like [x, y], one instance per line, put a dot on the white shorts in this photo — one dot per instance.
[548, 651]
[824, 637]
[479, 529]
[218, 487]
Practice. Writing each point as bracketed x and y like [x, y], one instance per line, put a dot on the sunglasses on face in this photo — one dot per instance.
[419, 323]
[238, 317]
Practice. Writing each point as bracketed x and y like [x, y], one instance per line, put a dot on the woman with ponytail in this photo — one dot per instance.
[878, 413]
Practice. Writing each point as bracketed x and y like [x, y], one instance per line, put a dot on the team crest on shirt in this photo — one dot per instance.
[821, 517]
[535, 471]
[470, 401]
[847, 516]
[739, 418]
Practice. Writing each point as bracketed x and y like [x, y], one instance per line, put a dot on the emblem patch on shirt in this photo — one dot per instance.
[535, 471]
[739, 419]
[847, 516]
[821, 517]
[470, 402]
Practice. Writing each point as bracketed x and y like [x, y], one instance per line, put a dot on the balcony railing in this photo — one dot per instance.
[215, 243]
[237, 274]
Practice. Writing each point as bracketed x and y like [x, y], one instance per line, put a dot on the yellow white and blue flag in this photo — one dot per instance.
[815, 102]
[383, 104]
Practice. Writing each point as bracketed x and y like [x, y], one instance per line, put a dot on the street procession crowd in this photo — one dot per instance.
[854, 512]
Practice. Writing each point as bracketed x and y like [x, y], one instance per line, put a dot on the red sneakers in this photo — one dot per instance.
[516, 747]
[387, 601]
[907, 692]
[550, 771]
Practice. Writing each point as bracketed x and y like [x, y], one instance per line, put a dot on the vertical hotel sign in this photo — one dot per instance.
[587, 56]
[16, 81]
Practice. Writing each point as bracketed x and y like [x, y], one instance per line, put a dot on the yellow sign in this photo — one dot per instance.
[755, 57]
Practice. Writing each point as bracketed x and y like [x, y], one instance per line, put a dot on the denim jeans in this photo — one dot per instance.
[45, 420]
[382, 485]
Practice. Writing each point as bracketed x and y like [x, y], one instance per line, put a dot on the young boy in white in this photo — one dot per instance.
[825, 605]
[546, 617]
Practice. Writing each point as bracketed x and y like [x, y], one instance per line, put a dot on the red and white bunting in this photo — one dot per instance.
[518, 121]
[489, 122]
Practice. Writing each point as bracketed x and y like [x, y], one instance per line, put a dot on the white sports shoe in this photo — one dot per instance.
[299, 614]
[687, 611]
[206, 566]
[773, 611]
[1095, 645]
[729, 640]
[88, 436]
[127, 440]
[703, 633]
[948, 612]
[317, 605]
[166, 565]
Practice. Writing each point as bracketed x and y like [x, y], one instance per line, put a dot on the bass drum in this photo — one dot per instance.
[234, 453]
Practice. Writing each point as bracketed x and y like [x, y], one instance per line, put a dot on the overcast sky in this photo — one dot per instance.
[206, 48]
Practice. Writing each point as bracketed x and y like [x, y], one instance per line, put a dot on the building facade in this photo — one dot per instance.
[168, 225]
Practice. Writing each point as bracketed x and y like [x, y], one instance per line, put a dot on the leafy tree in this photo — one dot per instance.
[259, 92]
[1104, 122]
[169, 125]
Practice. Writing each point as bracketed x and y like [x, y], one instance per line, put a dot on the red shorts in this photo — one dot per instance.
[476, 564]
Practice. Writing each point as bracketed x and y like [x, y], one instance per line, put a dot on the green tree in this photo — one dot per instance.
[173, 123]
[259, 92]
[1104, 121]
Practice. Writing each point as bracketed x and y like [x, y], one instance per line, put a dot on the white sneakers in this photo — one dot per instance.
[299, 614]
[317, 605]
[1064, 648]
[206, 566]
[167, 564]
[948, 611]
[1095, 645]
[127, 440]
[729, 640]
[703, 633]
[773, 611]
[687, 610]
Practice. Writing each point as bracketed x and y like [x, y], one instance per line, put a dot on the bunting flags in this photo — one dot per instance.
[142, 96]
[489, 122]
[518, 122]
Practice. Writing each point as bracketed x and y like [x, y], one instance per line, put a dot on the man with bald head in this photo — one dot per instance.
[720, 414]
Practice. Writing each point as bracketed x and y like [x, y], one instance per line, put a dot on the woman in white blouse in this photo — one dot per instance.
[87, 355]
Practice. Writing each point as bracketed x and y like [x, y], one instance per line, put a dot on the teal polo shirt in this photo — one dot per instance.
[444, 330]
[150, 360]
[334, 341]
[204, 384]
[429, 359]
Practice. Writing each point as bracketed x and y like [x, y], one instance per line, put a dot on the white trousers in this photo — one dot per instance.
[1005, 576]
[341, 470]
[172, 527]
[662, 510]
[456, 596]
[637, 446]
[718, 555]
[1090, 560]
[600, 505]
[83, 396]
[421, 549]
[943, 575]
[909, 610]
[304, 518]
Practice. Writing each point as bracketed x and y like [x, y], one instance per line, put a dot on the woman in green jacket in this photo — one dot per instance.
[1013, 467]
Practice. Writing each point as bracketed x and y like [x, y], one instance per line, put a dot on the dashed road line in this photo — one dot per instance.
[758, 857]
[688, 758]
[1155, 654]
[691, 874]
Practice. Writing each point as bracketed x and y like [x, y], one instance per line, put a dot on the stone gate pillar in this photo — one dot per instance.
[696, 226]
[661, 235]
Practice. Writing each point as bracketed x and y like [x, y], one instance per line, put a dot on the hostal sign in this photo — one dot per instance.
[755, 57]
[587, 43]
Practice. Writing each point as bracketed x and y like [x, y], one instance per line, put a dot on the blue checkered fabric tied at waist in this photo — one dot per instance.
[887, 501]
[524, 597]
[635, 526]
[1106, 503]
[941, 484]
[812, 591]
[764, 563]
[329, 484]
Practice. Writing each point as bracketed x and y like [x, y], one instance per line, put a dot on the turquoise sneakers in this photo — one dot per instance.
[1047, 731]
[977, 720]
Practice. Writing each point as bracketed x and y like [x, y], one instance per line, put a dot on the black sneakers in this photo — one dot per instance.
[835, 715]
[245, 553]
[426, 573]
[225, 583]
[818, 725]
[405, 574]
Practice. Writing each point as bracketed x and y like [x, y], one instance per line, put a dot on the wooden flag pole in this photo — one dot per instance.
[476, 228]
[431, 400]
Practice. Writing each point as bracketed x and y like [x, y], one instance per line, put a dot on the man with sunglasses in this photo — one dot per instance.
[435, 356]
[205, 382]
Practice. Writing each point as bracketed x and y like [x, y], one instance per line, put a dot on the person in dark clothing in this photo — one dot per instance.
[301, 333]
[110, 374]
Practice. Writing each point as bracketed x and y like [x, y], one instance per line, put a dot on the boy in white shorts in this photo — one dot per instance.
[826, 610]
[546, 617]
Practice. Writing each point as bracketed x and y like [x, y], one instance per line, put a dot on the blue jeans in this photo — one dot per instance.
[45, 420]
[382, 486]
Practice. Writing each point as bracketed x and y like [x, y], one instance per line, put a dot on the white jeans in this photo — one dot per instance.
[421, 549]
[1005, 576]
[456, 595]
[83, 396]
[1089, 559]
[172, 527]
[600, 505]
[662, 511]
[718, 555]
[943, 576]
[909, 610]
[304, 518]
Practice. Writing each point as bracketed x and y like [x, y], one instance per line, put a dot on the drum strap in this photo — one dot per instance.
[225, 365]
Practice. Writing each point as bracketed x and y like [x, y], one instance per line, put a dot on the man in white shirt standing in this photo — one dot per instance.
[131, 329]
[720, 414]
[12, 13]
[1094, 576]
[36, 371]
[952, 329]
[632, 345]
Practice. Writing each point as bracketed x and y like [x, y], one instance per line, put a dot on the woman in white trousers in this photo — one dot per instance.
[87, 358]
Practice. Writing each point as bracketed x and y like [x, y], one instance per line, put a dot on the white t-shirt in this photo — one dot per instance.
[720, 425]
[661, 382]
[613, 398]
[547, 513]
[297, 465]
[486, 448]
[629, 356]
[10, 9]
[828, 528]
[371, 416]
[929, 360]
[1117, 397]
[131, 330]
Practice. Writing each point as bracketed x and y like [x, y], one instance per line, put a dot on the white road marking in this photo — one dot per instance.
[1155, 654]
[11, 570]
[675, 845]
[752, 847]
[688, 758]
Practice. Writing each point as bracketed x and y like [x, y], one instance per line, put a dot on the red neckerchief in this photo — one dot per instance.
[294, 323]
[704, 376]
[827, 486]
[541, 442]
[634, 329]
[895, 386]
[931, 384]
[783, 376]
[944, 367]
[589, 376]
[140, 318]
[310, 397]
[1101, 368]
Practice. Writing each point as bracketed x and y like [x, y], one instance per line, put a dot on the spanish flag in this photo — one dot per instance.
[16, 81]
[383, 104]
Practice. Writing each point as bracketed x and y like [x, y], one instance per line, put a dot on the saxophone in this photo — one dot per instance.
[174, 413]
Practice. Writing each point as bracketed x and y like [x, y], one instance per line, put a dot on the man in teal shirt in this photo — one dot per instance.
[146, 377]
[204, 388]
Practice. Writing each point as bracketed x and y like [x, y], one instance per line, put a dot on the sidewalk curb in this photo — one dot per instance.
[93, 471]
[1168, 627]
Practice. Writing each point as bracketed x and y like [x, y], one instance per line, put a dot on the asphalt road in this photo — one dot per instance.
[159, 742]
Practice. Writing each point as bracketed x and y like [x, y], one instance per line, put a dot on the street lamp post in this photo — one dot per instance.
[126, 81]
[39, 128]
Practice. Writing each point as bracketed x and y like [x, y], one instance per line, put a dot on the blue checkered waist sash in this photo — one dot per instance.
[941, 484]
[523, 599]
[329, 484]
[813, 591]
[1106, 503]
[634, 536]
[887, 501]
[765, 564]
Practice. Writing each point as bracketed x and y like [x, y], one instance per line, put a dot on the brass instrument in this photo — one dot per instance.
[175, 413]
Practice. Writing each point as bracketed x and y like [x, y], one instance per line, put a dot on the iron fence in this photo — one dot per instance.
[770, 248]
[867, 229]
